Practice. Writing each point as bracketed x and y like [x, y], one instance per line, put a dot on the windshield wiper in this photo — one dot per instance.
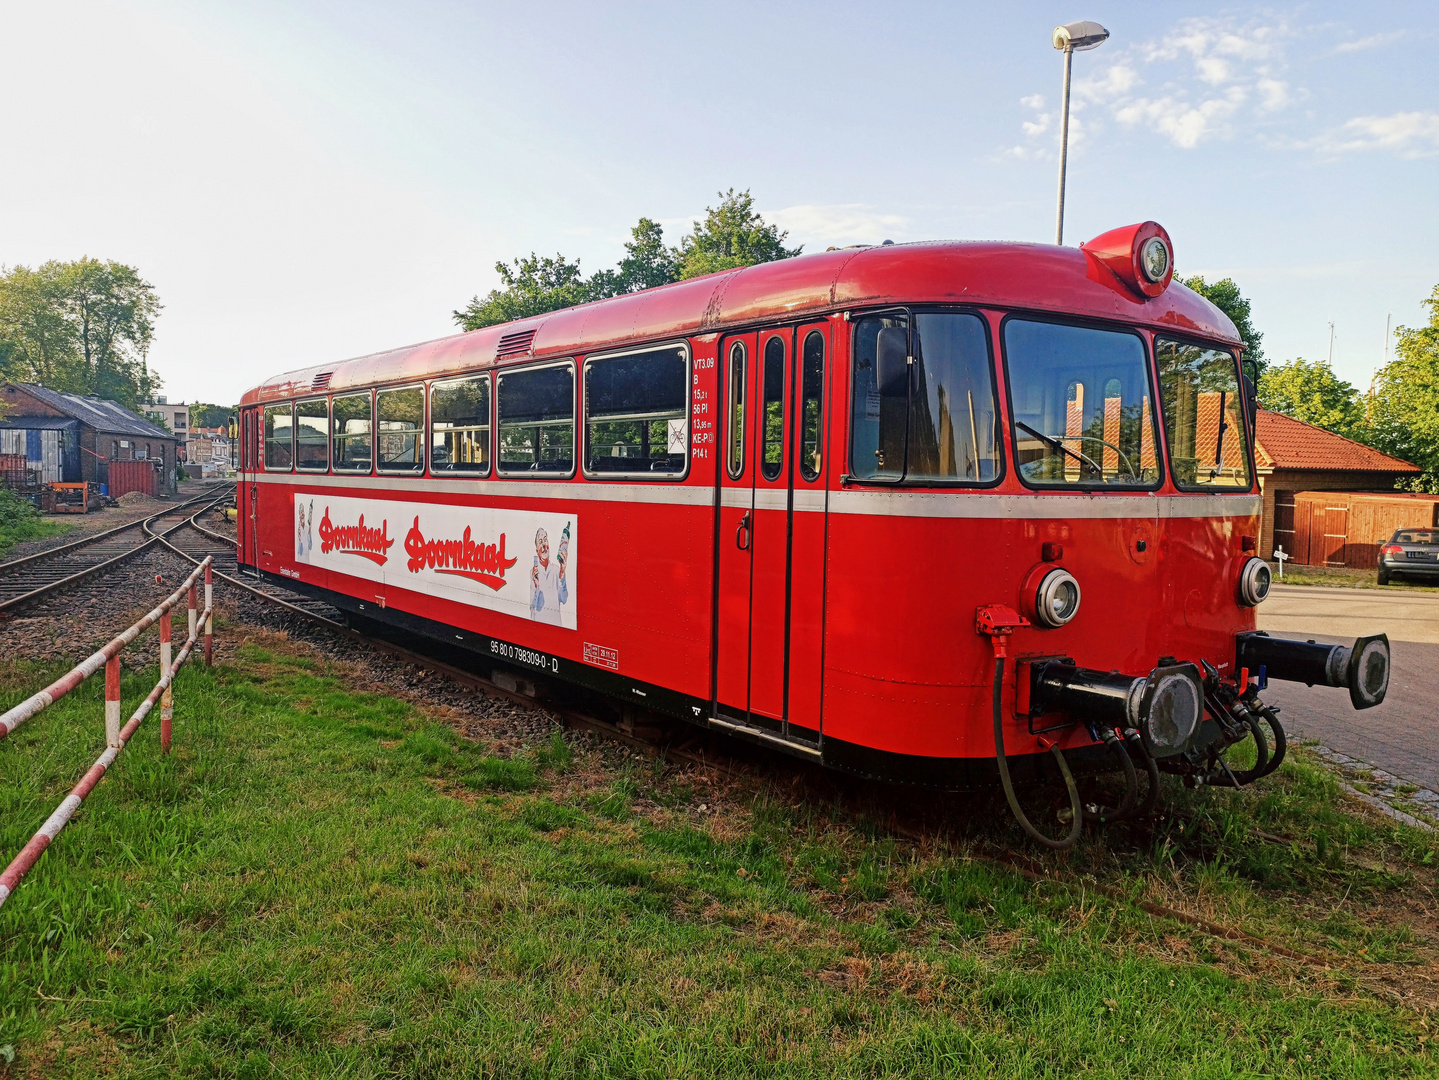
[1219, 441]
[1055, 444]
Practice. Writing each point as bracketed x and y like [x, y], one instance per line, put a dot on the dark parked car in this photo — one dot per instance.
[1413, 552]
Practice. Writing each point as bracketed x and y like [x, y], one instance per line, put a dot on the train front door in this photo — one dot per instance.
[771, 532]
[247, 506]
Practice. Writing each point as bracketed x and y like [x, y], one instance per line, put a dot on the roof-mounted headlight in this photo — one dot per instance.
[1154, 259]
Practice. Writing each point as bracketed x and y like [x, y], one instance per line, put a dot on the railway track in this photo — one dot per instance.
[25, 580]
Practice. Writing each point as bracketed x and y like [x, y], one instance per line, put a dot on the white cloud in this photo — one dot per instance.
[1184, 123]
[1409, 134]
[1373, 41]
[1034, 101]
[1275, 93]
[1117, 81]
[837, 224]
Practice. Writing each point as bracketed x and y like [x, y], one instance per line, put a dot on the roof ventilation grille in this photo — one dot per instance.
[515, 344]
[321, 381]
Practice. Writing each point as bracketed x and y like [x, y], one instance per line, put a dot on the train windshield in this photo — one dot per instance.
[1082, 410]
[1203, 420]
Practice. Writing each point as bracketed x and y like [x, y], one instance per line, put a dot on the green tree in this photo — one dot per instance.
[1404, 405]
[732, 234]
[82, 326]
[532, 286]
[211, 416]
[1225, 295]
[1313, 393]
[647, 262]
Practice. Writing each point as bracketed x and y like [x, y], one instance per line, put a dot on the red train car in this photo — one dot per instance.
[821, 503]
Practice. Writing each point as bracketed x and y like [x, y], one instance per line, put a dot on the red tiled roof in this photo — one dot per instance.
[1286, 443]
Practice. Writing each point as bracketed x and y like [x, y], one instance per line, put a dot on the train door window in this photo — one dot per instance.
[636, 413]
[811, 398]
[279, 437]
[460, 426]
[772, 410]
[400, 429]
[537, 420]
[312, 435]
[1081, 403]
[1203, 419]
[350, 432]
[734, 427]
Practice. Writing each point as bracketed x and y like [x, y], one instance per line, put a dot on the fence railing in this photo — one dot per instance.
[116, 736]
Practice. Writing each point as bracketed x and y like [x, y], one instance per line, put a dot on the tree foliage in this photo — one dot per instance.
[732, 234]
[204, 415]
[1225, 295]
[1313, 393]
[83, 327]
[1404, 406]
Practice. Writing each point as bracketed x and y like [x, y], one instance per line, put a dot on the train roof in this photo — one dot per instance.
[1015, 276]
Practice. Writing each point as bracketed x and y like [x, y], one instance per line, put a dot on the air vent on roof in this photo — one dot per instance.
[320, 381]
[516, 344]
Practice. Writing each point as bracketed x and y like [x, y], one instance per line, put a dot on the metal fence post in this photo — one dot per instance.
[167, 698]
[193, 613]
[112, 701]
[209, 618]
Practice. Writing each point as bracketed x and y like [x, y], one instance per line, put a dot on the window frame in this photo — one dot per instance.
[583, 419]
[729, 406]
[417, 469]
[824, 361]
[294, 423]
[575, 420]
[785, 336]
[265, 439]
[348, 471]
[903, 480]
[1249, 435]
[1161, 447]
[491, 421]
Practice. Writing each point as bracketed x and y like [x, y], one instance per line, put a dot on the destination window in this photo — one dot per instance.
[399, 429]
[312, 435]
[460, 426]
[923, 408]
[279, 437]
[537, 420]
[350, 432]
[636, 413]
[1203, 417]
[1081, 406]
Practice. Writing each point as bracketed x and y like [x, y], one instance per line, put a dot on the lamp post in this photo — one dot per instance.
[1076, 37]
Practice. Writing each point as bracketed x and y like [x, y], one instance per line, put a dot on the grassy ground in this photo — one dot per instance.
[1350, 579]
[19, 522]
[323, 881]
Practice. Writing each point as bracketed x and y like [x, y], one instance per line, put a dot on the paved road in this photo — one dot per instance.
[1401, 735]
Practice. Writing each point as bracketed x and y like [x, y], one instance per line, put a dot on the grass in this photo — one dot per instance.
[1341, 577]
[19, 522]
[322, 881]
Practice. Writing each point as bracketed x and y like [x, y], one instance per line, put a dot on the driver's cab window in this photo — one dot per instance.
[1083, 414]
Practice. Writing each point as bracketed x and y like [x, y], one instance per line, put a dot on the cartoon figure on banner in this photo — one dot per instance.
[548, 587]
[304, 530]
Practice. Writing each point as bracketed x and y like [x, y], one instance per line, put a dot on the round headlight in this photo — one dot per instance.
[1057, 599]
[1154, 259]
[1254, 582]
[1173, 717]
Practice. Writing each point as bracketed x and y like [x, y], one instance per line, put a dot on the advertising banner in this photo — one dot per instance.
[519, 562]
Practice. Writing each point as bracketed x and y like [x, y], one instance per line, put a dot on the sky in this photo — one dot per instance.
[308, 181]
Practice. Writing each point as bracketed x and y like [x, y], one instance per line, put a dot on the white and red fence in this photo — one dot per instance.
[116, 736]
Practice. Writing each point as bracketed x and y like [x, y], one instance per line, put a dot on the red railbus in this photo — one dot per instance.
[944, 512]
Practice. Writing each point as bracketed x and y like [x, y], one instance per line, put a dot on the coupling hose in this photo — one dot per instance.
[1077, 822]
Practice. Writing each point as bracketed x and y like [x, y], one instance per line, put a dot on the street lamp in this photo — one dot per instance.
[1076, 37]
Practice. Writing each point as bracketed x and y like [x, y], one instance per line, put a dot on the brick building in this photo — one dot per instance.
[1292, 456]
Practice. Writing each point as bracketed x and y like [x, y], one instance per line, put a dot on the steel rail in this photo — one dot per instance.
[89, 571]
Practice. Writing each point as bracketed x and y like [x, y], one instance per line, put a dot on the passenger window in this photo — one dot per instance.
[460, 426]
[350, 428]
[944, 417]
[537, 420]
[279, 437]
[636, 409]
[811, 393]
[772, 410]
[312, 435]
[1208, 440]
[399, 441]
[734, 437]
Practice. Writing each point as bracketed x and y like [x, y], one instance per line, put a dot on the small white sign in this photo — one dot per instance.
[679, 432]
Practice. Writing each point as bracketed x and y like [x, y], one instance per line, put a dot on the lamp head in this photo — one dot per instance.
[1080, 37]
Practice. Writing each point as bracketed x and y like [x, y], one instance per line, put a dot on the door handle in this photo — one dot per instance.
[741, 535]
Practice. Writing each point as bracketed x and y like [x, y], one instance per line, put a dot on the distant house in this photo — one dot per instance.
[67, 438]
[1292, 456]
[174, 415]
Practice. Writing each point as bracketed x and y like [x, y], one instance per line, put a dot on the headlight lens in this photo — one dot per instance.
[1254, 582]
[1154, 259]
[1057, 599]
